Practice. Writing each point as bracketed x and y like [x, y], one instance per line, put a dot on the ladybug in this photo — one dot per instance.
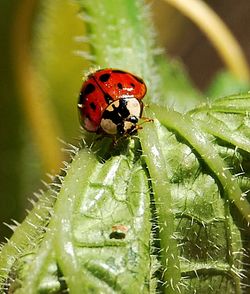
[110, 102]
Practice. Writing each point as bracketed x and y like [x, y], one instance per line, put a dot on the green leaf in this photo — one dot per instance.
[196, 175]
[227, 119]
[25, 240]
[225, 84]
[83, 241]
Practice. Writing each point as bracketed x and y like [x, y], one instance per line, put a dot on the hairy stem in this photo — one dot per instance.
[218, 33]
[157, 170]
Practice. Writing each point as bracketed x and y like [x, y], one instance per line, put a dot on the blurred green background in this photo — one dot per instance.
[40, 42]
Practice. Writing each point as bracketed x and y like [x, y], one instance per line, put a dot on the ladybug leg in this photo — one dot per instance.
[133, 132]
[115, 141]
[144, 120]
[147, 119]
[138, 127]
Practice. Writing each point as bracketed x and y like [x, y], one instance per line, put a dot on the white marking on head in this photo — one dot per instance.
[134, 107]
[114, 103]
[108, 126]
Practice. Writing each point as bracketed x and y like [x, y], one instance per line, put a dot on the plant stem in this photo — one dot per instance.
[218, 34]
[36, 106]
[65, 210]
[157, 169]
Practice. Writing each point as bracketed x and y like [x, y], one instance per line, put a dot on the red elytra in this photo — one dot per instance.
[103, 87]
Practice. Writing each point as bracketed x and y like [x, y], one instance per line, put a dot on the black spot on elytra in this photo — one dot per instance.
[132, 85]
[90, 88]
[119, 85]
[92, 105]
[107, 98]
[104, 77]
